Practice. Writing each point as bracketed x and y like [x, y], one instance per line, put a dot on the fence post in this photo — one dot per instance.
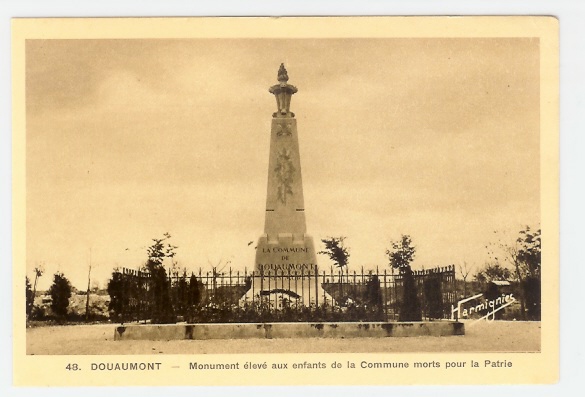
[316, 286]
[324, 294]
[253, 286]
[303, 284]
[296, 288]
[385, 297]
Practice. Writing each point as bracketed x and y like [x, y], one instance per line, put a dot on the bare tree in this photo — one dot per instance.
[39, 270]
[217, 271]
[465, 270]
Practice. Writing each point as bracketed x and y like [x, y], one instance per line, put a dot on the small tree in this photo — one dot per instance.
[400, 255]
[529, 255]
[529, 252]
[524, 254]
[336, 250]
[60, 293]
[30, 298]
[157, 252]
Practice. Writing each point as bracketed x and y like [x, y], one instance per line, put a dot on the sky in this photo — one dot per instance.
[130, 139]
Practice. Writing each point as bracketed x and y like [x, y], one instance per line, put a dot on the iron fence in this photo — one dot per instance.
[251, 296]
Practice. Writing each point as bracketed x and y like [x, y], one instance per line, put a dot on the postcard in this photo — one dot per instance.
[285, 201]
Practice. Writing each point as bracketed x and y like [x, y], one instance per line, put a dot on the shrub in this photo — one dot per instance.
[60, 293]
[410, 309]
[433, 295]
[30, 298]
[532, 294]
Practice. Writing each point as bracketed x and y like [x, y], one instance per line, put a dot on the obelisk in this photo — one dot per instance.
[285, 249]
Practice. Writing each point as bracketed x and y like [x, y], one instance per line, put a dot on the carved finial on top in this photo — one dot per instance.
[283, 93]
[282, 74]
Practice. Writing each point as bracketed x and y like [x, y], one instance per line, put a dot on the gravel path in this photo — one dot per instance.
[499, 336]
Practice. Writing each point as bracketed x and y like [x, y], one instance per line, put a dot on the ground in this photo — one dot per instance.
[497, 336]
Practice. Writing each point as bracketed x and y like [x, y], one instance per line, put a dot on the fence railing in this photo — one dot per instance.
[240, 296]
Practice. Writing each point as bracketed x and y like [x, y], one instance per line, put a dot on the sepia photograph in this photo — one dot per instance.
[278, 194]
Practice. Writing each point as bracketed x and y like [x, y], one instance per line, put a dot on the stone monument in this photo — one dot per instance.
[285, 253]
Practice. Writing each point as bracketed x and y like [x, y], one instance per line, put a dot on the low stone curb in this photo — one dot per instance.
[287, 330]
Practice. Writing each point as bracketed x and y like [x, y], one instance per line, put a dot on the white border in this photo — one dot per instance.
[571, 14]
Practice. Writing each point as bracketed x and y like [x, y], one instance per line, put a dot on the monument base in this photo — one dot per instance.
[288, 330]
[286, 272]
